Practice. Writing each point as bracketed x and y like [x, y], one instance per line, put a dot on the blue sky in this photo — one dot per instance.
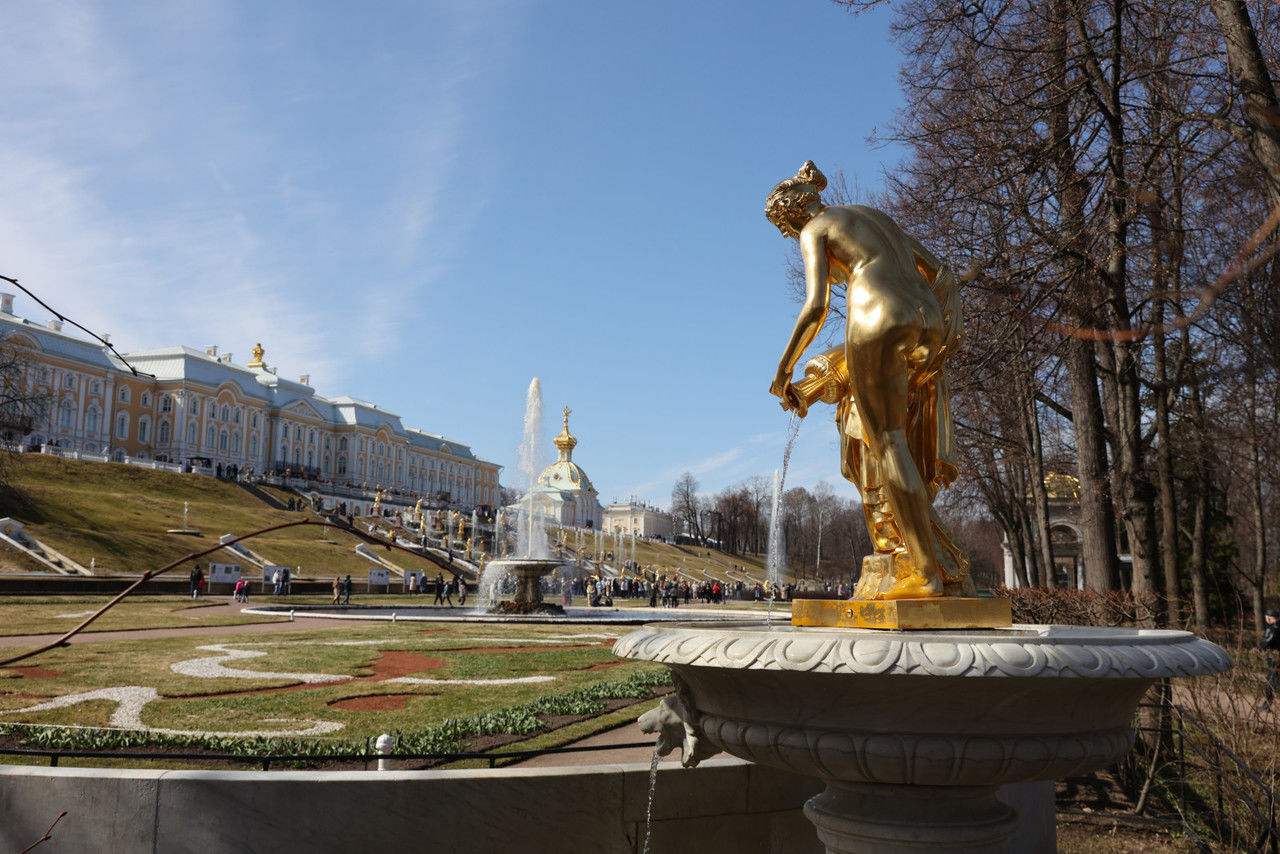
[428, 204]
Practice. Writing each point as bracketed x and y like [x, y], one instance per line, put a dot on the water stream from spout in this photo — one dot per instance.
[773, 564]
[648, 810]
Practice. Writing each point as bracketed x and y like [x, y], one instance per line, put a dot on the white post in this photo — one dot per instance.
[383, 745]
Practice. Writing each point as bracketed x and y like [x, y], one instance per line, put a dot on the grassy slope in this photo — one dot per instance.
[666, 558]
[118, 515]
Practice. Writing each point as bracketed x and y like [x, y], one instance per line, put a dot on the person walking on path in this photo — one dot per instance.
[197, 581]
[1270, 647]
[439, 600]
[346, 590]
[462, 591]
[337, 589]
[277, 579]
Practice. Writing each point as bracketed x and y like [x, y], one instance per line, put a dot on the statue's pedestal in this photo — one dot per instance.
[886, 818]
[913, 731]
[943, 612]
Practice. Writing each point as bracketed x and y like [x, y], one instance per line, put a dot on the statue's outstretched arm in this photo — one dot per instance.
[812, 315]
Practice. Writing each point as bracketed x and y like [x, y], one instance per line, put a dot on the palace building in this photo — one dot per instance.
[634, 519]
[199, 409]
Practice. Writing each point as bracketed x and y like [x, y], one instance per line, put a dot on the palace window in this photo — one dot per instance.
[146, 398]
[192, 433]
[166, 403]
[297, 456]
[122, 426]
[95, 388]
[253, 421]
[195, 406]
[226, 413]
[69, 382]
[235, 443]
[342, 464]
[66, 416]
[253, 447]
[92, 420]
[342, 443]
[162, 433]
[235, 416]
[124, 394]
[144, 429]
[222, 441]
[210, 437]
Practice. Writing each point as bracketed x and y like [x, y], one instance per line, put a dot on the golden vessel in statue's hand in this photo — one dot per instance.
[886, 381]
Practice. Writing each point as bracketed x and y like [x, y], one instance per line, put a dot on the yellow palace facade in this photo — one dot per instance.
[197, 408]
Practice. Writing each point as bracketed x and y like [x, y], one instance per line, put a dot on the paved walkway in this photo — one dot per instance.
[627, 734]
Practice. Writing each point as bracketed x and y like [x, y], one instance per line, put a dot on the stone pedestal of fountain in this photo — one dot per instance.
[912, 731]
[528, 573]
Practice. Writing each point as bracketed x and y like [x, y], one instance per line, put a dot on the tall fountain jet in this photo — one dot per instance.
[533, 558]
[531, 539]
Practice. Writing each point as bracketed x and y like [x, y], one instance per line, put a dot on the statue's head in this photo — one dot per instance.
[788, 203]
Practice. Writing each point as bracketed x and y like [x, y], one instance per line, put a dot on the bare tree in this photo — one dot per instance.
[24, 404]
[686, 506]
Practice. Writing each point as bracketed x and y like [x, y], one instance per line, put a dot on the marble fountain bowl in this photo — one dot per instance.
[912, 731]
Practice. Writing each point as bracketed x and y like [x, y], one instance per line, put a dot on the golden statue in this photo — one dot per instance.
[892, 413]
[257, 356]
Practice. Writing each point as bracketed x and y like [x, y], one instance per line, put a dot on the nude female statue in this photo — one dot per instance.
[903, 320]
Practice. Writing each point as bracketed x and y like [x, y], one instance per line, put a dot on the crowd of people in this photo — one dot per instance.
[444, 589]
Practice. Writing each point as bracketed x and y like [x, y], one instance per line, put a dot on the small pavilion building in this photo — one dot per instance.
[563, 493]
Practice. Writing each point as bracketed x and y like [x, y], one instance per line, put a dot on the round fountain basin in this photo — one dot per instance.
[936, 708]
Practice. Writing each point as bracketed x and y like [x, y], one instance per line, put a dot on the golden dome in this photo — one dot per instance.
[1061, 485]
[565, 442]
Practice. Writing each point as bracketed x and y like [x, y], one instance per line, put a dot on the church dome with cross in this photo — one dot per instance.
[563, 491]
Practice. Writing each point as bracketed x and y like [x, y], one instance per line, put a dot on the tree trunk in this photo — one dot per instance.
[1257, 90]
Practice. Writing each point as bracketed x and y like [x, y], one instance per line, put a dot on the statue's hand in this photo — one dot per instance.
[779, 385]
[791, 399]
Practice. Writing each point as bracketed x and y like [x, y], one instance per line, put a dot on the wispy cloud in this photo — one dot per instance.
[164, 198]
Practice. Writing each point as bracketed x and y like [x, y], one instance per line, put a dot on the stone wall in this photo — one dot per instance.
[724, 806]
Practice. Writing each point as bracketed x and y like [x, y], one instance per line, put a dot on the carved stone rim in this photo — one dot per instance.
[1087, 652]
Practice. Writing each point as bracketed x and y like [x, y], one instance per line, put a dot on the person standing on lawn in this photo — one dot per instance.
[1270, 647]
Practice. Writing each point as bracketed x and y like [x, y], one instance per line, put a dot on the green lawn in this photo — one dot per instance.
[437, 651]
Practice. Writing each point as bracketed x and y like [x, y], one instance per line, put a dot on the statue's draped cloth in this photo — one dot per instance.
[930, 431]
